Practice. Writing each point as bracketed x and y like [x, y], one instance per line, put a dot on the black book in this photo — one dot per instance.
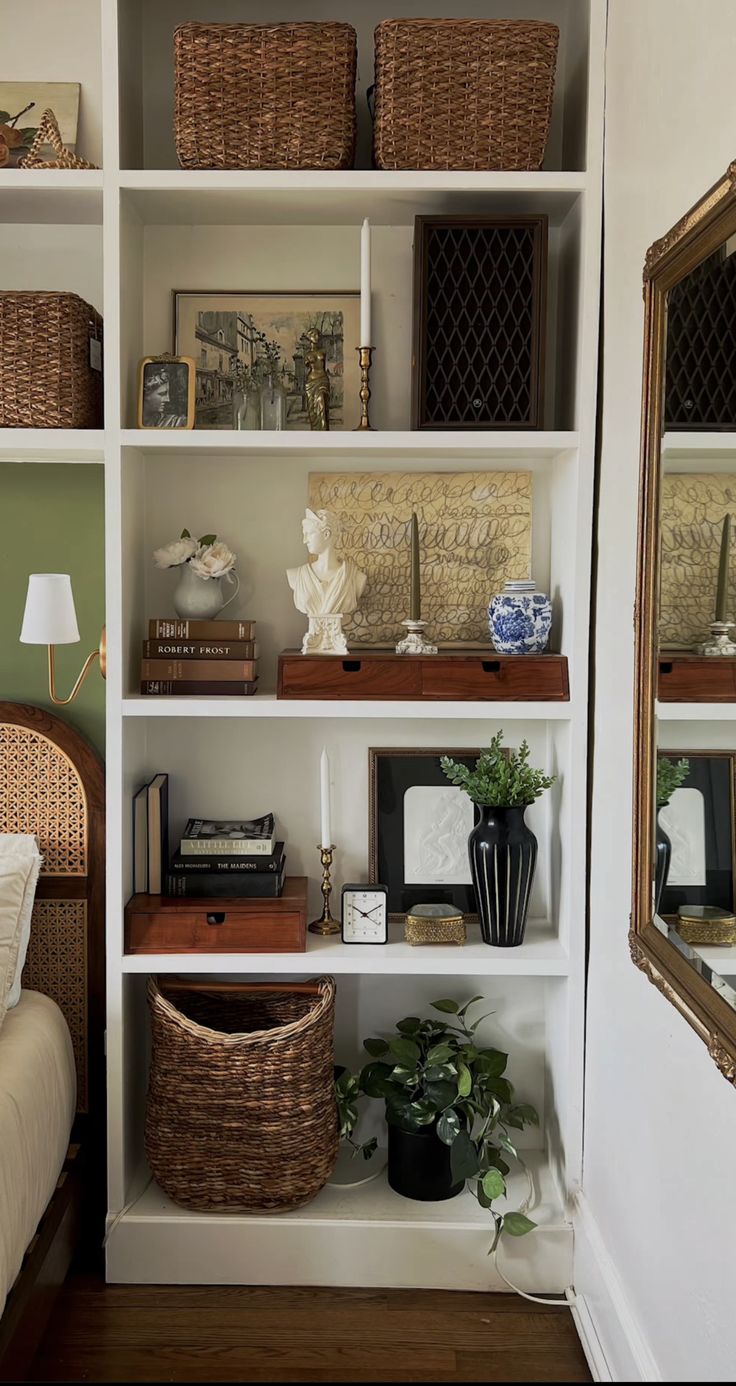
[140, 841]
[196, 866]
[223, 884]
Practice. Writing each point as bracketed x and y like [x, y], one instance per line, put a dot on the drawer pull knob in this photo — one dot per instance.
[215, 919]
[491, 666]
[665, 666]
[351, 666]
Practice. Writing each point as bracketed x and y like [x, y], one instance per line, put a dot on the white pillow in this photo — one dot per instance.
[20, 863]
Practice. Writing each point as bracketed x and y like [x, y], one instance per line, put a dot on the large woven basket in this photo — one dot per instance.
[265, 95]
[463, 93]
[47, 378]
[241, 1110]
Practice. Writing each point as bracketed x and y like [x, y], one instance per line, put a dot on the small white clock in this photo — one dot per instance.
[365, 914]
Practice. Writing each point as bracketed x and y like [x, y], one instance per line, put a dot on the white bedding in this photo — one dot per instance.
[37, 1103]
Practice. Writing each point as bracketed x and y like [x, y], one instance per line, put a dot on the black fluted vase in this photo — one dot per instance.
[503, 855]
[662, 861]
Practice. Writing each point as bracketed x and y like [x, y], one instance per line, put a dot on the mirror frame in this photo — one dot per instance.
[694, 237]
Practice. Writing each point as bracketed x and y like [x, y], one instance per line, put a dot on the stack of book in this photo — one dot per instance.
[196, 658]
[151, 836]
[231, 858]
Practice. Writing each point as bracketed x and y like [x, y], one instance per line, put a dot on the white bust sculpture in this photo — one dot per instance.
[327, 589]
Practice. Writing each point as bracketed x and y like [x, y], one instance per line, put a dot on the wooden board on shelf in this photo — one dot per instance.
[453, 675]
[159, 924]
[692, 678]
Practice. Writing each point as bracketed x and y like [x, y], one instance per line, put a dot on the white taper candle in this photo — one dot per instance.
[324, 787]
[365, 284]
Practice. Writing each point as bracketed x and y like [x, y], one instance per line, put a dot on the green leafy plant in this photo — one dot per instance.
[670, 776]
[501, 778]
[433, 1073]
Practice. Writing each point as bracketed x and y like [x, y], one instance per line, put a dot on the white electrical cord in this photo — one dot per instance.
[569, 1295]
[119, 1216]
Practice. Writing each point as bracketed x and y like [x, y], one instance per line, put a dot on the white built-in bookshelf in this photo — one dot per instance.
[125, 238]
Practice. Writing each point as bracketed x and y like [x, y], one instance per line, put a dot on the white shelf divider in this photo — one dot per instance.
[398, 443]
[541, 955]
[268, 705]
[52, 445]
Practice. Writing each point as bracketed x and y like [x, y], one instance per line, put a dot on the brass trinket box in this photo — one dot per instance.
[434, 924]
[706, 924]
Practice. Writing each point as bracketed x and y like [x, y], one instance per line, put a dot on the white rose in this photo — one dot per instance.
[213, 561]
[171, 555]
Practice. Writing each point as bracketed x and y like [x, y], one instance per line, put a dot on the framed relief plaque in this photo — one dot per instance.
[418, 829]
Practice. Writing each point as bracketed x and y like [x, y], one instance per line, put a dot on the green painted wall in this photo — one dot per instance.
[52, 521]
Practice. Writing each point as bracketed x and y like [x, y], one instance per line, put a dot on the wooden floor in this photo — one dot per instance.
[186, 1333]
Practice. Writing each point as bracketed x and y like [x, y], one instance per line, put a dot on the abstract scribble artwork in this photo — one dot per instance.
[693, 507]
[475, 532]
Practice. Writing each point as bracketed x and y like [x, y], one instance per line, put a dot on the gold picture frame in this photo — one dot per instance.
[164, 385]
[697, 235]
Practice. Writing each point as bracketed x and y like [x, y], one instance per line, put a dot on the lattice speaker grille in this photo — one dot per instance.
[480, 326]
[56, 964]
[701, 348]
[41, 792]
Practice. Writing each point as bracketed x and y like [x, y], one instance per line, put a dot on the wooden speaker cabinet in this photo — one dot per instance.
[701, 347]
[479, 322]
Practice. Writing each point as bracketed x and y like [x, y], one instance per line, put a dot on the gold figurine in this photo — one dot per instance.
[317, 383]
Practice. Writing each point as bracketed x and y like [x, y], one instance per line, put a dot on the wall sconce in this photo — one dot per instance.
[50, 619]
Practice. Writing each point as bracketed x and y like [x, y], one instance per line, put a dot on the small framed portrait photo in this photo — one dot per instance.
[166, 392]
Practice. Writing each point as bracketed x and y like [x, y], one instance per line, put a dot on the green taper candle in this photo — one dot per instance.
[415, 608]
[723, 571]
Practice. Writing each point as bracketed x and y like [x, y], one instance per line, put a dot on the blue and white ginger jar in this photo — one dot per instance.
[519, 619]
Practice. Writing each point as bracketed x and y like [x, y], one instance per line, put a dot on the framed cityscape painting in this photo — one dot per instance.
[250, 353]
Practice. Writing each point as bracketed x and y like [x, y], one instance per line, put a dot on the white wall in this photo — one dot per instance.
[660, 1120]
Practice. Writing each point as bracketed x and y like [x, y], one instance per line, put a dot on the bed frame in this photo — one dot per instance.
[52, 784]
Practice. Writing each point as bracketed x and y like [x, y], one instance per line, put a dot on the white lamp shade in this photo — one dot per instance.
[49, 617]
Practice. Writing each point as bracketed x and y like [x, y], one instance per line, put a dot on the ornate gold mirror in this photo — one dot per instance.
[683, 932]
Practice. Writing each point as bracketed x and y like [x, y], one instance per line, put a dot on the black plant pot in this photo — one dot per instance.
[419, 1165]
[503, 855]
[663, 858]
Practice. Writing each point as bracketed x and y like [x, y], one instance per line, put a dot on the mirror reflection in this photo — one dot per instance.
[694, 861]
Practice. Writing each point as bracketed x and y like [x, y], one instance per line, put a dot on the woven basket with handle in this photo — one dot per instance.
[48, 380]
[241, 1111]
[265, 95]
[463, 93]
[48, 133]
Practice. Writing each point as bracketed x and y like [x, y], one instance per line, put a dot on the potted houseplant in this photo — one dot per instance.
[501, 847]
[204, 564]
[670, 776]
[449, 1111]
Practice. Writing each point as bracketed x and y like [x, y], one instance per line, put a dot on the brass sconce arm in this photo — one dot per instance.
[99, 653]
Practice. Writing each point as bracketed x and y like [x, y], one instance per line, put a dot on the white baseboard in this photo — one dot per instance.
[608, 1329]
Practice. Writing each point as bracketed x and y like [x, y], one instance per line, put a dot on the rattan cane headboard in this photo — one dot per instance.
[52, 784]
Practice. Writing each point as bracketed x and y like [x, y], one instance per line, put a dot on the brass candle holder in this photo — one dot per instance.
[365, 357]
[325, 924]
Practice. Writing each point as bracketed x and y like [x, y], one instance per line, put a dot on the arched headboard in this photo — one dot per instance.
[52, 784]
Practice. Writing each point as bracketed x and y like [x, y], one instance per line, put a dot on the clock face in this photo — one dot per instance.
[364, 914]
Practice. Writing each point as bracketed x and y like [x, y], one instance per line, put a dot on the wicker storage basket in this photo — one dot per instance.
[265, 95]
[241, 1110]
[463, 93]
[47, 379]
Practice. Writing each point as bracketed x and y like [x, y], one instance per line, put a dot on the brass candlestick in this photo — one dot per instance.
[365, 357]
[325, 924]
